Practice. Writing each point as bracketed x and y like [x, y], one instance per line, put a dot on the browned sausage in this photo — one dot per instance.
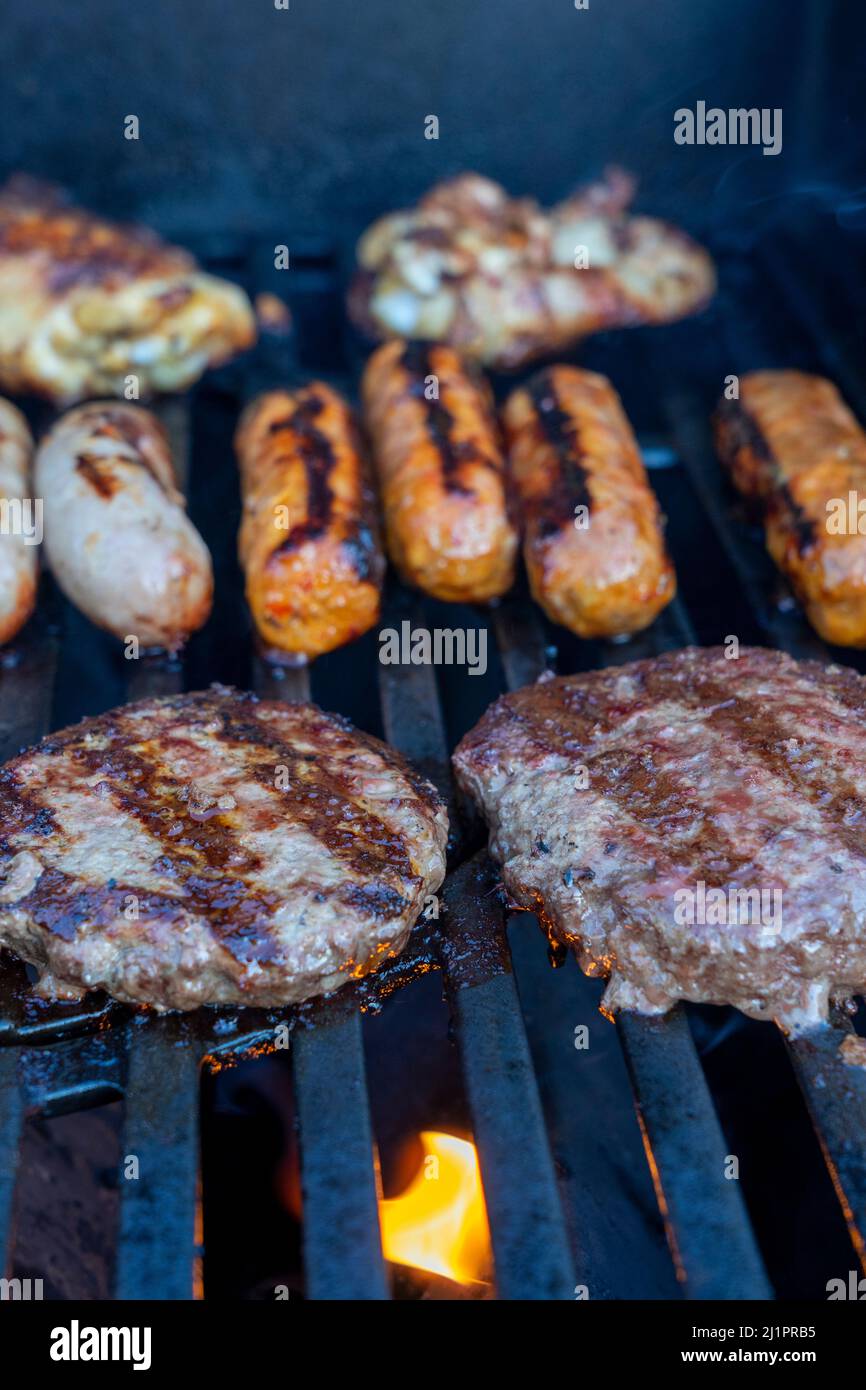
[791, 442]
[308, 541]
[441, 473]
[593, 544]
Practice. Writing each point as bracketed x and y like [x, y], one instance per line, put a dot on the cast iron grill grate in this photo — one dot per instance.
[61, 1058]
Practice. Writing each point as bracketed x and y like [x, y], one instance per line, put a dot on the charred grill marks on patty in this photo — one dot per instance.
[272, 846]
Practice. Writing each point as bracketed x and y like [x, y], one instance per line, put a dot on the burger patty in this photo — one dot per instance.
[693, 824]
[213, 848]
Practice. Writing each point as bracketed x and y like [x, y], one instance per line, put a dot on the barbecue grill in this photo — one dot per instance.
[552, 1205]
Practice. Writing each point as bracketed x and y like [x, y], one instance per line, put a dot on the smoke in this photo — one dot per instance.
[847, 205]
[744, 198]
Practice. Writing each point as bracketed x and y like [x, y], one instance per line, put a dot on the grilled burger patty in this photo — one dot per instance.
[635, 808]
[213, 848]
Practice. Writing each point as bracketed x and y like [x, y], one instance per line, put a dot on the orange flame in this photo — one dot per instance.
[439, 1223]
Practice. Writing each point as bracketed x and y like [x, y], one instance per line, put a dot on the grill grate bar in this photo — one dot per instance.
[705, 1218]
[23, 1021]
[342, 1240]
[28, 673]
[74, 1074]
[520, 637]
[153, 676]
[28, 670]
[11, 1122]
[411, 712]
[673, 628]
[835, 1093]
[289, 683]
[530, 1246]
[156, 1251]
[155, 1254]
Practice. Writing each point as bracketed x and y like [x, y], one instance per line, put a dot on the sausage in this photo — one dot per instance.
[117, 536]
[441, 472]
[308, 541]
[593, 542]
[19, 531]
[792, 446]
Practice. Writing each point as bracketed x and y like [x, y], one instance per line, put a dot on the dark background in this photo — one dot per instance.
[312, 119]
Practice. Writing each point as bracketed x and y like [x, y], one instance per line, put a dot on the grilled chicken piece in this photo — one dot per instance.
[593, 541]
[692, 824]
[791, 444]
[117, 537]
[503, 281]
[19, 534]
[308, 542]
[441, 473]
[213, 849]
[86, 304]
